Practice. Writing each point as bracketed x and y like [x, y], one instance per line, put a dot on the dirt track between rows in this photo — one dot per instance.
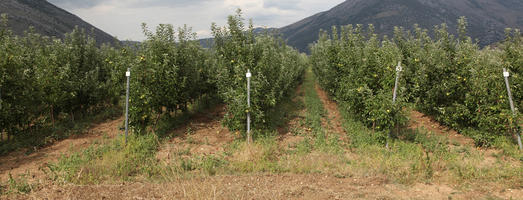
[18, 162]
[205, 135]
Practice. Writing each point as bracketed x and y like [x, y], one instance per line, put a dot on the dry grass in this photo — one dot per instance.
[305, 164]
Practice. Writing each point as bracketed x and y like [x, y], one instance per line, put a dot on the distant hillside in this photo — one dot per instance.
[487, 18]
[47, 19]
[208, 42]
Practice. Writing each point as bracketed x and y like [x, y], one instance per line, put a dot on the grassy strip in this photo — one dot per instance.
[17, 185]
[315, 113]
[422, 156]
[108, 161]
[313, 104]
[415, 156]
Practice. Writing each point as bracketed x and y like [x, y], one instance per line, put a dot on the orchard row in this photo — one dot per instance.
[45, 80]
[447, 77]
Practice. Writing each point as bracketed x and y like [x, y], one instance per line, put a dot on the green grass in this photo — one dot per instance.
[17, 185]
[421, 156]
[316, 113]
[414, 156]
[508, 147]
[111, 160]
[313, 105]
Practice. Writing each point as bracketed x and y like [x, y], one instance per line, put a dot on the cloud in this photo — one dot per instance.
[123, 18]
[166, 3]
[284, 5]
[76, 3]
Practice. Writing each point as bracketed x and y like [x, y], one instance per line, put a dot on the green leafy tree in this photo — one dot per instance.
[275, 68]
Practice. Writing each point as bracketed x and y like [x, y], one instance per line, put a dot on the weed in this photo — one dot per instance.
[304, 147]
[191, 140]
[210, 164]
[508, 148]
[334, 144]
[110, 161]
[189, 130]
[186, 151]
[187, 165]
[284, 111]
[3, 189]
[296, 130]
[19, 185]
[261, 156]
[359, 134]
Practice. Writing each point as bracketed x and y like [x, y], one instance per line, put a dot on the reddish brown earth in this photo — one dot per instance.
[283, 186]
[288, 135]
[205, 135]
[19, 163]
[420, 120]
[333, 114]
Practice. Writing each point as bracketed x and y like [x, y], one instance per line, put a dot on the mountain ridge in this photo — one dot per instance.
[47, 19]
[487, 18]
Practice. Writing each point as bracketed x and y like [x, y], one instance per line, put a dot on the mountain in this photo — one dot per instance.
[47, 19]
[208, 42]
[487, 18]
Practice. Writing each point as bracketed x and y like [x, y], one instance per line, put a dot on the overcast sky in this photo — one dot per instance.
[122, 18]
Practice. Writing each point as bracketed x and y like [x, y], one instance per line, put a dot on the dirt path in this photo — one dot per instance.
[204, 135]
[334, 123]
[290, 135]
[283, 186]
[420, 120]
[490, 155]
[18, 163]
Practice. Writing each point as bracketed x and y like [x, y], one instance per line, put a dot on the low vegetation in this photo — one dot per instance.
[413, 156]
[448, 77]
[68, 84]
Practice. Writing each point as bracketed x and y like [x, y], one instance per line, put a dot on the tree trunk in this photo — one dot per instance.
[156, 121]
[52, 115]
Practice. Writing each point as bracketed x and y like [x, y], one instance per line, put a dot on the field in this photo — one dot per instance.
[324, 125]
[311, 157]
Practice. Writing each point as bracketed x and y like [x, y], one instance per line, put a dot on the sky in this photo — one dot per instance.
[123, 18]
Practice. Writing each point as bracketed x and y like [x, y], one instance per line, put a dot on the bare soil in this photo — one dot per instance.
[18, 162]
[289, 134]
[456, 140]
[334, 123]
[283, 186]
[205, 135]
[420, 120]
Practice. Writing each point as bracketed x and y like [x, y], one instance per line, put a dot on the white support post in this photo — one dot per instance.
[128, 75]
[506, 74]
[394, 95]
[248, 75]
